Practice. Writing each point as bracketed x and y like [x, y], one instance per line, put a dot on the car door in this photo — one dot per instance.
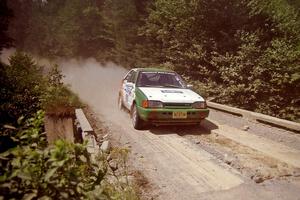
[129, 89]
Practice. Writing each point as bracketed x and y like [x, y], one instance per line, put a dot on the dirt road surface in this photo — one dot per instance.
[218, 160]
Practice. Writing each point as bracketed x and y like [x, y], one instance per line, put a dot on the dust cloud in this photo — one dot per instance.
[46, 64]
[96, 84]
[5, 54]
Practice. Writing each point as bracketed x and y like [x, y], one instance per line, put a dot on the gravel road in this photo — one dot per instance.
[218, 160]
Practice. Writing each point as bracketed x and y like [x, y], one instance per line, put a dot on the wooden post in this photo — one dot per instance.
[59, 124]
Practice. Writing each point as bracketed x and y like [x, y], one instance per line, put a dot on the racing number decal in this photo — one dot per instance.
[129, 93]
[129, 88]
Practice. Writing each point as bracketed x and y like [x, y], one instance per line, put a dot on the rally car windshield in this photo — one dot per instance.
[160, 79]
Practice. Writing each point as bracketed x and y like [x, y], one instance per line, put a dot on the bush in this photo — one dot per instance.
[29, 168]
[25, 89]
[63, 171]
[21, 86]
[262, 79]
[56, 95]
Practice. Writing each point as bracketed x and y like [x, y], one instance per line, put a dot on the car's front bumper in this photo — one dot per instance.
[165, 115]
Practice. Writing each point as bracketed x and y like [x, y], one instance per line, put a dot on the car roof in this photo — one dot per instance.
[151, 70]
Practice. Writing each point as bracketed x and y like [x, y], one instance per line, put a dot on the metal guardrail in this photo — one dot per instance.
[253, 116]
[87, 132]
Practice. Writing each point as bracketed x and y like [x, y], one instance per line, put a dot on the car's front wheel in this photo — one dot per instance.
[137, 122]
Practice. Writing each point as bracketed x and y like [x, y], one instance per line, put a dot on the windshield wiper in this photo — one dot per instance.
[160, 86]
[145, 85]
[172, 86]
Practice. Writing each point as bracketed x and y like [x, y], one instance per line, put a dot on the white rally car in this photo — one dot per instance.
[160, 97]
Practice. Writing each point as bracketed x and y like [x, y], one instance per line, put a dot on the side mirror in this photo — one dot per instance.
[189, 86]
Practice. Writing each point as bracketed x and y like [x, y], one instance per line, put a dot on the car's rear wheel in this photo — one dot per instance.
[137, 122]
[120, 103]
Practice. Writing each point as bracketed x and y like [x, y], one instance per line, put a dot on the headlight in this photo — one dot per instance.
[152, 104]
[199, 105]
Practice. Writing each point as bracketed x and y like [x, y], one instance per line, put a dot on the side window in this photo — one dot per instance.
[128, 77]
[133, 77]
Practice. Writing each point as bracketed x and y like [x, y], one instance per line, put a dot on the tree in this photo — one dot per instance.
[21, 83]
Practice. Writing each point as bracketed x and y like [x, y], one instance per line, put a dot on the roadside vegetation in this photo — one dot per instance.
[32, 169]
[244, 53]
[241, 53]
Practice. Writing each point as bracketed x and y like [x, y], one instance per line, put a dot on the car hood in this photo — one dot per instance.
[172, 95]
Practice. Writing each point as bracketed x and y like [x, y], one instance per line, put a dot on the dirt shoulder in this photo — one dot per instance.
[138, 180]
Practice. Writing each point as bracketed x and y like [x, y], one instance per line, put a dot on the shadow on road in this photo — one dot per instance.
[205, 128]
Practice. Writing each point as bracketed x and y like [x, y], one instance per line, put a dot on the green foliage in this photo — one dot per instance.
[56, 95]
[29, 169]
[263, 79]
[243, 52]
[117, 185]
[283, 13]
[124, 20]
[25, 89]
[65, 170]
[21, 86]
[94, 37]
[65, 28]
[189, 31]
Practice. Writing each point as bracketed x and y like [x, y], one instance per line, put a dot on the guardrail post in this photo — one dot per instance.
[60, 125]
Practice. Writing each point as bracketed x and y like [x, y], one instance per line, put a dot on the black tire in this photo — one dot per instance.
[120, 103]
[137, 122]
